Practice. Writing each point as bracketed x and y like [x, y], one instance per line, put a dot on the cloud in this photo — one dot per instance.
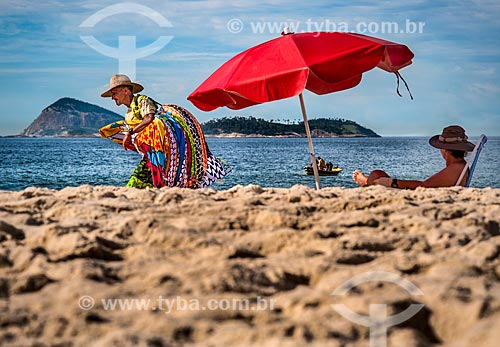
[484, 89]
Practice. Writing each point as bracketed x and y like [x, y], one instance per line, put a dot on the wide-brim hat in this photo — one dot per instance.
[121, 80]
[452, 138]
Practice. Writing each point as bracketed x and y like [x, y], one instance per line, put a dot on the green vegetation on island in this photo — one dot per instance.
[320, 127]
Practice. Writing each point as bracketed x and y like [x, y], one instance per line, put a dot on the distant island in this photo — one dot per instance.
[68, 117]
[258, 127]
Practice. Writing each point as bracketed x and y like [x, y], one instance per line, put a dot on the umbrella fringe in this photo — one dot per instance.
[398, 76]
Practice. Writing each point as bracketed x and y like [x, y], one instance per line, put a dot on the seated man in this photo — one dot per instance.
[453, 145]
[321, 164]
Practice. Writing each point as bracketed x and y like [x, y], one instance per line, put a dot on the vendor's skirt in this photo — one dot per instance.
[175, 153]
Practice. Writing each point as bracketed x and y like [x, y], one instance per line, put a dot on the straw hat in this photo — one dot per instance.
[121, 80]
[452, 138]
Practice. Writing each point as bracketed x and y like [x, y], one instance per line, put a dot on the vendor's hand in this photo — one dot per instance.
[383, 181]
[126, 140]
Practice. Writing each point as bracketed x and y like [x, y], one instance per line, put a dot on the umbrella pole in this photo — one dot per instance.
[309, 141]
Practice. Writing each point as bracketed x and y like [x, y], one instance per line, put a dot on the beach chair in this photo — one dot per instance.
[471, 163]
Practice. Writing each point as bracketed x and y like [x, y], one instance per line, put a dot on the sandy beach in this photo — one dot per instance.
[248, 266]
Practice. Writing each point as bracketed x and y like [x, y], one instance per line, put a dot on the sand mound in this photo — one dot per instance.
[248, 266]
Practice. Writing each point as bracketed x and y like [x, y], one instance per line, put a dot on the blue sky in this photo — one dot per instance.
[454, 76]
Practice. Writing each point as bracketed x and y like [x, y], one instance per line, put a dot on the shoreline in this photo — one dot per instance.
[290, 246]
[239, 186]
[237, 135]
[230, 135]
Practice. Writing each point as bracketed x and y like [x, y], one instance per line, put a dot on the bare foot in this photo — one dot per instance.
[360, 178]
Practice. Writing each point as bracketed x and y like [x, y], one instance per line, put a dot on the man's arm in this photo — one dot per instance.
[444, 178]
[138, 128]
[145, 122]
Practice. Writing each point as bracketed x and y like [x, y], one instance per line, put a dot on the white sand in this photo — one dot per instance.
[290, 247]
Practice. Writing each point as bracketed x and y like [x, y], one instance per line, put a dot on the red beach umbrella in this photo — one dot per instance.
[322, 62]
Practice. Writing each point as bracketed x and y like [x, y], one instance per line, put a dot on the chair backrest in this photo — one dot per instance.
[471, 163]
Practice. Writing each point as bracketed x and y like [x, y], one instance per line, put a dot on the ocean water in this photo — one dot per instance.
[270, 162]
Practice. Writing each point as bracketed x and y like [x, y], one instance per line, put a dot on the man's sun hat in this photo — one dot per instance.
[121, 80]
[452, 138]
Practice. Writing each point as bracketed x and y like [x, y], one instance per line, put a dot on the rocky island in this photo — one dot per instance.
[68, 117]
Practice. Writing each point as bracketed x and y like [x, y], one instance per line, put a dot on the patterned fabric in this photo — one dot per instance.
[215, 169]
[141, 177]
[116, 131]
[175, 153]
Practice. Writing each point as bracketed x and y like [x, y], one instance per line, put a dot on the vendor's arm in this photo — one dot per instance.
[138, 128]
[145, 122]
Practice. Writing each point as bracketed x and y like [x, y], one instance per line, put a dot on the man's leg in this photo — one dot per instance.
[376, 174]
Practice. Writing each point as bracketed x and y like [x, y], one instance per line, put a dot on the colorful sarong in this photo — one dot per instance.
[175, 153]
